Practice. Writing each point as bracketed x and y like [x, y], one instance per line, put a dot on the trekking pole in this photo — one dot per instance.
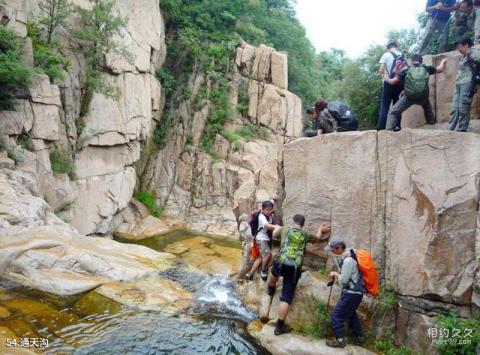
[330, 293]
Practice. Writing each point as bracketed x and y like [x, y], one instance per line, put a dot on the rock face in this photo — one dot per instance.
[410, 198]
[442, 87]
[200, 190]
[296, 344]
[107, 143]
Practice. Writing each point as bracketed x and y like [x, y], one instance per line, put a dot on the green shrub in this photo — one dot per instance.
[97, 34]
[23, 140]
[162, 128]
[148, 200]
[48, 56]
[220, 112]
[385, 301]
[166, 78]
[246, 133]
[461, 336]
[386, 346]
[62, 163]
[14, 74]
[15, 155]
[321, 325]
[322, 270]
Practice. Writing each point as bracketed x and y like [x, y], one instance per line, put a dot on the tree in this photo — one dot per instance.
[14, 74]
[96, 36]
[55, 14]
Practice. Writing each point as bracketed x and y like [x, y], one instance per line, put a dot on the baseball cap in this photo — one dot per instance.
[334, 242]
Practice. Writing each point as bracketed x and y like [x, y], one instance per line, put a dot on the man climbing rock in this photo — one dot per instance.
[288, 264]
[390, 93]
[464, 86]
[439, 14]
[330, 117]
[414, 79]
[350, 279]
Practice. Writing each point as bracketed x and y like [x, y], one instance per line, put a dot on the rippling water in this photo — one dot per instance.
[93, 324]
[151, 333]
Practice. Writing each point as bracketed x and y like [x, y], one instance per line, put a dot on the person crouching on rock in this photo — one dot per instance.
[352, 294]
[288, 264]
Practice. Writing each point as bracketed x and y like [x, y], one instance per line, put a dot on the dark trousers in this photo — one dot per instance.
[390, 94]
[395, 115]
[346, 311]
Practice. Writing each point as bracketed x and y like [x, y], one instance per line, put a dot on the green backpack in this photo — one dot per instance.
[293, 248]
[416, 83]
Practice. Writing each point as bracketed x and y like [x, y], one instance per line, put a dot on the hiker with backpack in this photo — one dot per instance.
[391, 63]
[331, 117]
[476, 26]
[357, 275]
[262, 230]
[464, 20]
[467, 78]
[414, 80]
[288, 264]
[438, 19]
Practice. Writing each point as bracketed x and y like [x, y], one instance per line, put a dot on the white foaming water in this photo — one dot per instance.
[219, 292]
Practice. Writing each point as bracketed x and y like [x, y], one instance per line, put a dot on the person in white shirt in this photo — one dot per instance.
[390, 93]
[264, 236]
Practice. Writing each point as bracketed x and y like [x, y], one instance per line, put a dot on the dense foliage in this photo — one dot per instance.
[206, 32]
[459, 336]
[150, 202]
[48, 55]
[14, 74]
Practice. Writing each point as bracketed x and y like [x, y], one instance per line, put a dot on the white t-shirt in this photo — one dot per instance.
[262, 221]
[388, 59]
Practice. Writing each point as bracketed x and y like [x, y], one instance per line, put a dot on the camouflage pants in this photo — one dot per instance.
[460, 113]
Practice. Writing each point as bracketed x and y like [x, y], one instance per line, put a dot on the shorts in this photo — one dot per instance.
[265, 248]
[290, 275]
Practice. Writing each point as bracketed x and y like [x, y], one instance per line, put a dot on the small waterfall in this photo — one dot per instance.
[214, 295]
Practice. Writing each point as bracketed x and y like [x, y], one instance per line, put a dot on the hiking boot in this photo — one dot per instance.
[432, 122]
[335, 343]
[249, 276]
[279, 330]
[264, 275]
[358, 340]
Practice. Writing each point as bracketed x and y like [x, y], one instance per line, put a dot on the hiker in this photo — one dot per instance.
[464, 20]
[476, 27]
[464, 86]
[288, 264]
[439, 15]
[414, 79]
[263, 237]
[390, 64]
[352, 293]
[331, 117]
[323, 121]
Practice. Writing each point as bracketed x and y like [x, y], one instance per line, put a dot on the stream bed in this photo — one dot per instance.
[93, 324]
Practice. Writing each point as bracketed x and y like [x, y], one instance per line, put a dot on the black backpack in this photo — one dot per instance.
[475, 66]
[253, 221]
[346, 119]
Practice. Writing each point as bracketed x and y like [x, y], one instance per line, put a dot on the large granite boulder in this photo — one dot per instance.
[59, 260]
[100, 198]
[410, 198]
